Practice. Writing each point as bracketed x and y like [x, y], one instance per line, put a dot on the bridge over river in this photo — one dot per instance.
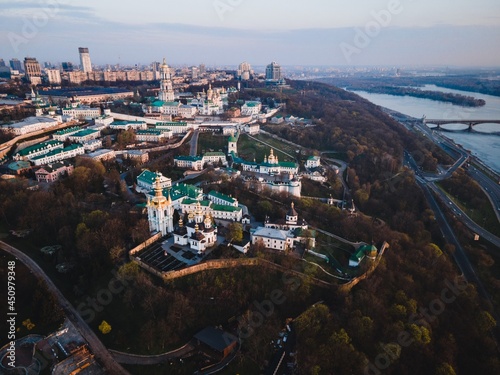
[469, 122]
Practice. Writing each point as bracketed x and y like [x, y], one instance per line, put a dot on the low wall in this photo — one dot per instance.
[248, 262]
[145, 244]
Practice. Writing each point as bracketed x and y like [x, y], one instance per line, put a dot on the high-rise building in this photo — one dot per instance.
[67, 66]
[194, 72]
[273, 72]
[2, 63]
[85, 59]
[203, 69]
[32, 70]
[166, 93]
[244, 71]
[15, 64]
[53, 76]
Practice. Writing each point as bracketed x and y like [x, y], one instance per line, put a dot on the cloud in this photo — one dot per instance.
[112, 42]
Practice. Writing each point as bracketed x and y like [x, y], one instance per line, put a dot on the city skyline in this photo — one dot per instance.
[395, 32]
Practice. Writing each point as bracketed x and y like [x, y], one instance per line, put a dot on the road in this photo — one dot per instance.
[135, 359]
[490, 188]
[459, 254]
[95, 345]
[194, 144]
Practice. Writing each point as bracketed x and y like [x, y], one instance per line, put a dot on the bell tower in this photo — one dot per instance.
[160, 211]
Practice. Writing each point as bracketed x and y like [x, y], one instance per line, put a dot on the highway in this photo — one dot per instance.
[490, 188]
[95, 345]
[459, 254]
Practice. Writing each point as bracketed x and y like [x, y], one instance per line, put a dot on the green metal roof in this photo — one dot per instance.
[85, 132]
[67, 130]
[147, 176]
[204, 203]
[124, 122]
[171, 123]
[188, 158]
[58, 151]
[39, 146]
[222, 196]
[183, 190]
[287, 164]
[225, 208]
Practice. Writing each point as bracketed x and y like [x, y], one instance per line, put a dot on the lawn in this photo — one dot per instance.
[250, 149]
[208, 142]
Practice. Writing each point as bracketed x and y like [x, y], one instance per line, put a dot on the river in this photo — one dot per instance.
[485, 146]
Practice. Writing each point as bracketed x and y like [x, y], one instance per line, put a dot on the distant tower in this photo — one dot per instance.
[166, 93]
[85, 59]
[160, 211]
[244, 71]
[32, 70]
[232, 144]
[15, 64]
[273, 72]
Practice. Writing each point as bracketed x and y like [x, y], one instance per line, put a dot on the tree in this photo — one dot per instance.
[104, 327]
[234, 233]
[445, 369]
[125, 138]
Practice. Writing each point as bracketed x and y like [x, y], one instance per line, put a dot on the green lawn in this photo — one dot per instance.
[250, 149]
[208, 142]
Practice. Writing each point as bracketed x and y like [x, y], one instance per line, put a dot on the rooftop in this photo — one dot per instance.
[222, 196]
[67, 130]
[84, 133]
[39, 146]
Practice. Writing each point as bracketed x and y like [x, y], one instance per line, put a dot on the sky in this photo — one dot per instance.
[227, 32]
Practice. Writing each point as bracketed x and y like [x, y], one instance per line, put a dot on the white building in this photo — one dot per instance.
[38, 149]
[126, 125]
[189, 162]
[54, 76]
[187, 111]
[222, 199]
[104, 120]
[160, 211]
[166, 93]
[92, 145]
[313, 162]
[62, 135]
[31, 125]
[146, 181]
[81, 112]
[252, 129]
[285, 234]
[59, 154]
[85, 59]
[251, 108]
[84, 135]
[214, 158]
[199, 233]
[102, 154]
[175, 127]
[151, 135]
[271, 165]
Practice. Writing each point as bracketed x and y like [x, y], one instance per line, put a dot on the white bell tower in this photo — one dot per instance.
[160, 211]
